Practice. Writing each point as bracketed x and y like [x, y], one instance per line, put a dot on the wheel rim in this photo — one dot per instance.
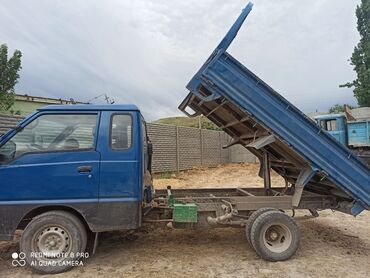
[52, 242]
[277, 237]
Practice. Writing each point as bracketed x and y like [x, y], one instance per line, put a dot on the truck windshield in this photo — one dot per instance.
[52, 132]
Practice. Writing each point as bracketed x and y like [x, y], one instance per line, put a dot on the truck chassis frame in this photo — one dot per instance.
[233, 206]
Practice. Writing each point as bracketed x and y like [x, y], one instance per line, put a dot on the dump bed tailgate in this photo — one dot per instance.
[256, 116]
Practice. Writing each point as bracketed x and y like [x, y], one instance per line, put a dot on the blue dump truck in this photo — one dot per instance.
[348, 131]
[70, 172]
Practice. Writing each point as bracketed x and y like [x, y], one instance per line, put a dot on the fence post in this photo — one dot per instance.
[177, 151]
[229, 153]
[220, 143]
[201, 146]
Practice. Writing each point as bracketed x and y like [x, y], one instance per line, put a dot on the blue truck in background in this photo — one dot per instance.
[350, 132]
[70, 172]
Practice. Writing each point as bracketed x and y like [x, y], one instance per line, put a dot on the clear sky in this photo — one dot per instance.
[145, 51]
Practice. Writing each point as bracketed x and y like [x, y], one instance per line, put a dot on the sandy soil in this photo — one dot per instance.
[231, 175]
[333, 245]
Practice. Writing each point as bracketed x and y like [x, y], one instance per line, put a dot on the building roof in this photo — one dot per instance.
[91, 107]
[46, 100]
[361, 113]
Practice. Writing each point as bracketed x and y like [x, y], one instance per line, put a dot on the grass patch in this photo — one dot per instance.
[165, 175]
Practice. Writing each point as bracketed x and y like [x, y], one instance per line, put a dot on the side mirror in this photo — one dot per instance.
[7, 151]
[150, 148]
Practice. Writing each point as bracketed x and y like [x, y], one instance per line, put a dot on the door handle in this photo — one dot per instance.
[84, 169]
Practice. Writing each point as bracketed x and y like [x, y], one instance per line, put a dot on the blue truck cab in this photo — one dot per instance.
[354, 134]
[91, 160]
[335, 125]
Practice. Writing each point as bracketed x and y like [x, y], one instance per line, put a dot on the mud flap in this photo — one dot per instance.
[303, 178]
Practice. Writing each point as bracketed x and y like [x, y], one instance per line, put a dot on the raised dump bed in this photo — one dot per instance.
[277, 132]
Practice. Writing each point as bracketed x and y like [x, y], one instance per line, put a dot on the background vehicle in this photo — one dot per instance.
[350, 132]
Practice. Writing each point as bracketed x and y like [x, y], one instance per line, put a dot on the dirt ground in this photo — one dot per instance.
[333, 245]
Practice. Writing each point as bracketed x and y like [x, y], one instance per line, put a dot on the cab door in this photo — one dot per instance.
[120, 191]
[51, 160]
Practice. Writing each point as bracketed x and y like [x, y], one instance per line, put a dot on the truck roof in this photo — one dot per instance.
[91, 107]
[329, 116]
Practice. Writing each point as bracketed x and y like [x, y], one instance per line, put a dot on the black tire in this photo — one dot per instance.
[251, 220]
[275, 236]
[52, 233]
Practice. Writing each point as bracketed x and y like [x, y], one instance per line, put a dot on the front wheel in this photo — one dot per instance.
[53, 242]
[275, 236]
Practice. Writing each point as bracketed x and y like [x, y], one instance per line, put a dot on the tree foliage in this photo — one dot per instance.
[9, 69]
[339, 108]
[361, 56]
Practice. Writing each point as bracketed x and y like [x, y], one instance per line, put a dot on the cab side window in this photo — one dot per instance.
[329, 125]
[121, 132]
[50, 133]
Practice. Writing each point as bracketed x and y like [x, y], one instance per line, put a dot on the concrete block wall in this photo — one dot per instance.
[240, 154]
[212, 144]
[163, 138]
[189, 148]
[182, 148]
[8, 121]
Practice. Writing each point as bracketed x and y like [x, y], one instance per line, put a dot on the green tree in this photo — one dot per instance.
[338, 108]
[9, 69]
[361, 56]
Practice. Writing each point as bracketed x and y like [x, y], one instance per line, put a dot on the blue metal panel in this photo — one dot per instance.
[51, 177]
[224, 44]
[120, 170]
[222, 79]
[358, 133]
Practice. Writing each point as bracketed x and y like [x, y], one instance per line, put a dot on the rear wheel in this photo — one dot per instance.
[275, 236]
[251, 220]
[53, 242]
